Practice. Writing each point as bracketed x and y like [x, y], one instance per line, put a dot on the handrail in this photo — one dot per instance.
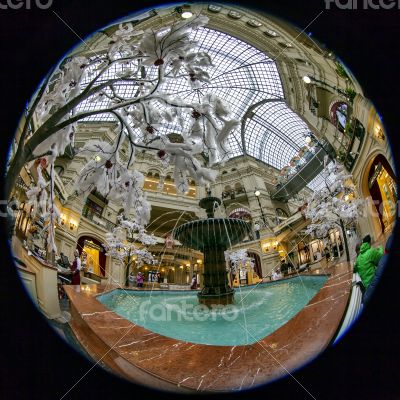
[233, 194]
[354, 307]
[108, 225]
[305, 174]
[93, 276]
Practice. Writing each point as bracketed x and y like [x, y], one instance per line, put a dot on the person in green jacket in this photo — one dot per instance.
[367, 261]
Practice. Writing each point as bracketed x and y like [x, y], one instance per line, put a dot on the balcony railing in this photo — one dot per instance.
[104, 223]
[304, 175]
[233, 194]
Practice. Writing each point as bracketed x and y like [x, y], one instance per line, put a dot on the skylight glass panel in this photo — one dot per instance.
[318, 182]
[274, 134]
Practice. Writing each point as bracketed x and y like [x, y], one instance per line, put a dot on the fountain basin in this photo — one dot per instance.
[262, 310]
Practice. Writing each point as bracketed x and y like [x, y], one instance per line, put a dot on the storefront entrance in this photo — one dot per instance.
[92, 255]
[382, 187]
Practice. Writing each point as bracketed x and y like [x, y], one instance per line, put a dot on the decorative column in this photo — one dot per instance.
[191, 271]
[116, 272]
[310, 247]
[270, 262]
[160, 184]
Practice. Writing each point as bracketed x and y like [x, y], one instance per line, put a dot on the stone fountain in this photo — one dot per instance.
[213, 236]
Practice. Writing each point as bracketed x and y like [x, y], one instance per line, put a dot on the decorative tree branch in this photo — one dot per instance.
[140, 61]
[128, 241]
[329, 208]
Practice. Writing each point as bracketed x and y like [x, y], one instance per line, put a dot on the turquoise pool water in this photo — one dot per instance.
[177, 314]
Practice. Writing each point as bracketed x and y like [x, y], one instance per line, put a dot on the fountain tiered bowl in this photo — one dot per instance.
[213, 236]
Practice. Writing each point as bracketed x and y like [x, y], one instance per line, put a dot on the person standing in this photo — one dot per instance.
[194, 282]
[276, 275]
[367, 261]
[139, 279]
[378, 272]
[76, 269]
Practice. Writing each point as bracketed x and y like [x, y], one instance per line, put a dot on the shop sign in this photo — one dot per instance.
[373, 178]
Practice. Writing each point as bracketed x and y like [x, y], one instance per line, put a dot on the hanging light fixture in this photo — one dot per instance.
[184, 11]
[186, 14]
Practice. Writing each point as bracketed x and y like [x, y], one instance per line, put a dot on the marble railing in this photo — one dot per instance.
[45, 280]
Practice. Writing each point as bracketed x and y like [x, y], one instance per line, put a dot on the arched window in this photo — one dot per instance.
[338, 115]
[227, 192]
[239, 188]
[281, 213]
[154, 173]
[59, 169]
[240, 213]
[257, 263]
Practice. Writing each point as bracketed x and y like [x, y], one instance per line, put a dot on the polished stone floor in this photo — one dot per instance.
[165, 363]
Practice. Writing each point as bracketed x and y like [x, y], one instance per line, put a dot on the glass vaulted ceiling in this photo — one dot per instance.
[274, 133]
[243, 76]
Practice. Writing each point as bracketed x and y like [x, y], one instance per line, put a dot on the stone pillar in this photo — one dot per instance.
[191, 272]
[269, 262]
[312, 251]
[116, 272]
[160, 185]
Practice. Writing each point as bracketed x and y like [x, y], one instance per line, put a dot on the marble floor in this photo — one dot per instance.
[161, 362]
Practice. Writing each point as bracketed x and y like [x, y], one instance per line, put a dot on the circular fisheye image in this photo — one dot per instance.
[201, 197]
